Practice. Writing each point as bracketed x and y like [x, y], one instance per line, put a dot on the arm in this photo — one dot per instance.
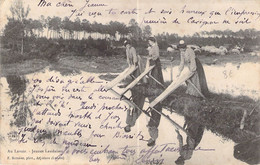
[181, 66]
[135, 59]
[154, 54]
[193, 66]
[128, 61]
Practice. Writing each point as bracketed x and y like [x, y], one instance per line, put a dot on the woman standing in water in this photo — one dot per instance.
[198, 79]
[153, 85]
[133, 60]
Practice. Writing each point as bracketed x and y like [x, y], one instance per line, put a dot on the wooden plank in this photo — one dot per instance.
[133, 105]
[158, 82]
[133, 83]
[121, 77]
[130, 103]
[174, 85]
[171, 121]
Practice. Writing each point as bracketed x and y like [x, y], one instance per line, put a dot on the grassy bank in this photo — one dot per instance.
[220, 113]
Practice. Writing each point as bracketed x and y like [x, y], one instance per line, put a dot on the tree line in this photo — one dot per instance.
[20, 28]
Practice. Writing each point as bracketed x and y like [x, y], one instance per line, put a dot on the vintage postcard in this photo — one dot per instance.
[130, 82]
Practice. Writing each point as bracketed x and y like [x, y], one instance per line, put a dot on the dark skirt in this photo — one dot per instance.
[157, 74]
[155, 86]
[202, 78]
[199, 81]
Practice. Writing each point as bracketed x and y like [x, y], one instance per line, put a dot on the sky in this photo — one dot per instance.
[184, 17]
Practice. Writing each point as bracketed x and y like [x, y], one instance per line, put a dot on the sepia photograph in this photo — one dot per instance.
[130, 82]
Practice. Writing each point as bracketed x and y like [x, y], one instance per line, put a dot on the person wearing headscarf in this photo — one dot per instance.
[189, 58]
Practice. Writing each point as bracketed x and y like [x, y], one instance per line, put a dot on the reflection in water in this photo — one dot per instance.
[17, 84]
[195, 132]
[248, 151]
[19, 103]
[193, 107]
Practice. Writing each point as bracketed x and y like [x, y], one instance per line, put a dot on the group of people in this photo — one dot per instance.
[197, 86]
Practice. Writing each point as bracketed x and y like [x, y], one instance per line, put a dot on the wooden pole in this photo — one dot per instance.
[173, 122]
[171, 71]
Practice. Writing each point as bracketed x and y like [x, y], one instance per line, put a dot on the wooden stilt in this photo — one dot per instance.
[121, 77]
[171, 88]
[133, 83]
[172, 121]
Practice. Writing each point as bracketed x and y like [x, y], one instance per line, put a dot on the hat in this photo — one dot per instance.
[152, 39]
[127, 42]
[181, 45]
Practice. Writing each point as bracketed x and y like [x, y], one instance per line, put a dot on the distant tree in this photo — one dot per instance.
[147, 32]
[95, 28]
[55, 26]
[48, 19]
[67, 27]
[33, 27]
[37, 27]
[13, 32]
[123, 30]
[115, 27]
[18, 11]
[15, 28]
[135, 30]
[43, 22]
[204, 33]
[28, 27]
[77, 27]
[228, 33]
[250, 33]
[86, 27]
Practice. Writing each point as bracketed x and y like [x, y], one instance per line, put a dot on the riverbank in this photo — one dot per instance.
[222, 114]
[68, 64]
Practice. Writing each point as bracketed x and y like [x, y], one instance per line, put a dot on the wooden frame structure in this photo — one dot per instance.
[174, 85]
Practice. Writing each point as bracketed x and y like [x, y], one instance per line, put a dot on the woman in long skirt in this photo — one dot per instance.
[153, 85]
[133, 60]
[198, 79]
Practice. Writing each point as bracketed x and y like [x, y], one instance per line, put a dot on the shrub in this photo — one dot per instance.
[92, 52]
